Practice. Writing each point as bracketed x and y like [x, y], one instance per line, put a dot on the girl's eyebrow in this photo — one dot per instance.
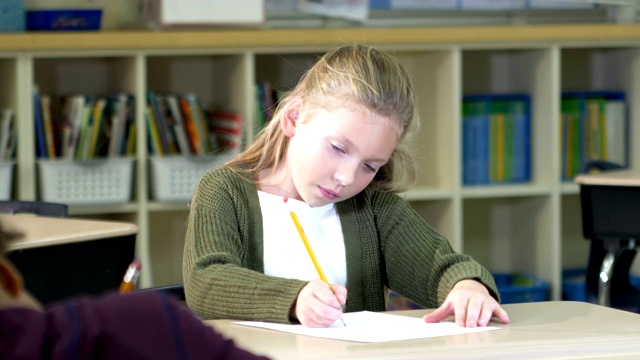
[350, 144]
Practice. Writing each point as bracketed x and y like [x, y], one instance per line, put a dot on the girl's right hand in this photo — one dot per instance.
[318, 306]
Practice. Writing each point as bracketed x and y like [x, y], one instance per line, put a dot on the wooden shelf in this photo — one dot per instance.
[494, 224]
[601, 34]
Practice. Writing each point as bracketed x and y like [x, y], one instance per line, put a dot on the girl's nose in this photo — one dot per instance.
[345, 175]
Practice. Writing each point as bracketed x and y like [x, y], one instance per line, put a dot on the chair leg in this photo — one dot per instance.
[604, 280]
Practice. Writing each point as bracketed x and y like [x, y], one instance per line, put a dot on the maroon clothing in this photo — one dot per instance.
[143, 325]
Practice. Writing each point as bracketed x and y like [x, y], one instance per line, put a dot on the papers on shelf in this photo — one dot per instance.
[366, 326]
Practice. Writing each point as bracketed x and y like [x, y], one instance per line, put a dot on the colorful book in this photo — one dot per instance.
[45, 104]
[6, 128]
[179, 127]
[192, 130]
[118, 121]
[75, 115]
[615, 115]
[155, 145]
[41, 142]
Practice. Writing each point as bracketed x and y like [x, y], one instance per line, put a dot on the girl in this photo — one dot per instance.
[333, 153]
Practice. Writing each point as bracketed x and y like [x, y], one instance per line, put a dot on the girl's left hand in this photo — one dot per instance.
[472, 305]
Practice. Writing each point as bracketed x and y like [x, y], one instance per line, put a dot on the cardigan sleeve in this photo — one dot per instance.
[223, 264]
[420, 262]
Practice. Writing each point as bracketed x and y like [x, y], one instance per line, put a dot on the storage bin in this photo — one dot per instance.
[174, 178]
[520, 288]
[64, 20]
[91, 182]
[6, 179]
[573, 284]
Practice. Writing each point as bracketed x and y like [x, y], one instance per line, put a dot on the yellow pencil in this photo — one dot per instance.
[130, 277]
[312, 255]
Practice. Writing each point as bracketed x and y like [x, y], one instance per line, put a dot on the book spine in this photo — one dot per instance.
[6, 128]
[41, 146]
[467, 143]
[179, 125]
[159, 121]
[154, 139]
[483, 146]
[192, 131]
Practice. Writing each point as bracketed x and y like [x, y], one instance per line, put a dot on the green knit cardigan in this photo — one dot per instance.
[386, 244]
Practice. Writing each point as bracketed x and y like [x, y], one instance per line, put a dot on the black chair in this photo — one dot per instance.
[176, 291]
[610, 221]
[34, 207]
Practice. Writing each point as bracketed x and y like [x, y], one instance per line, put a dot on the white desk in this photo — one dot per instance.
[48, 231]
[545, 330]
[63, 257]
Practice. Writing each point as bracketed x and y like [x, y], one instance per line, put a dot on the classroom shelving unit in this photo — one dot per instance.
[533, 228]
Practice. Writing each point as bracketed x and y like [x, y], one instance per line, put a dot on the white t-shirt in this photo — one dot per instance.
[284, 252]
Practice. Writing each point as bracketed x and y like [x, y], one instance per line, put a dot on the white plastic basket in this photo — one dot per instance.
[6, 177]
[174, 178]
[91, 182]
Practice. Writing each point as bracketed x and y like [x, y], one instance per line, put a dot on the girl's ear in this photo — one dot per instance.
[10, 278]
[290, 119]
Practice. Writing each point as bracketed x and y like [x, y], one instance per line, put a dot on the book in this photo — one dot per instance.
[118, 123]
[131, 139]
[155, 146]
[509, 141]
[469, 175]
[495, 139]
[573, 137]
[521, 167]
[84, 134]
[481, 131]
[212, 143]
[179, 125]
[41, 145]
[200, 120]
[6, 128]
[616, 141]
[161, 126]
[45, 104]
[594, 147]
[97, 125]
[190, 125]
[476, 146]
[168, 124]
[75, 108]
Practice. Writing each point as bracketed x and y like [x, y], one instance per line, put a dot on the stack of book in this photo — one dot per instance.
[495, 139]
[180, 125]
[268, 98]
[594, 127]
[84, 127]
[8, 135]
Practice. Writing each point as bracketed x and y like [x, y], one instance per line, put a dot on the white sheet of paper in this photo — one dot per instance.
[180, 12]
[366, 326]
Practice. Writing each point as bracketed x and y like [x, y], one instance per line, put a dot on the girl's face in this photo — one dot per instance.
[334, 154]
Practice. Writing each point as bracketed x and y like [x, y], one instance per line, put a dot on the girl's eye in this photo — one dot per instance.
[371, 168]
[337, 148]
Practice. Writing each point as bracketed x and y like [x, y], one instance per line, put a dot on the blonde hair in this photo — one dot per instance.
[355, 74]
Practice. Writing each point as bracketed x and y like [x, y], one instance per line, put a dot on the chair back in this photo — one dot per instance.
[34, 207]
